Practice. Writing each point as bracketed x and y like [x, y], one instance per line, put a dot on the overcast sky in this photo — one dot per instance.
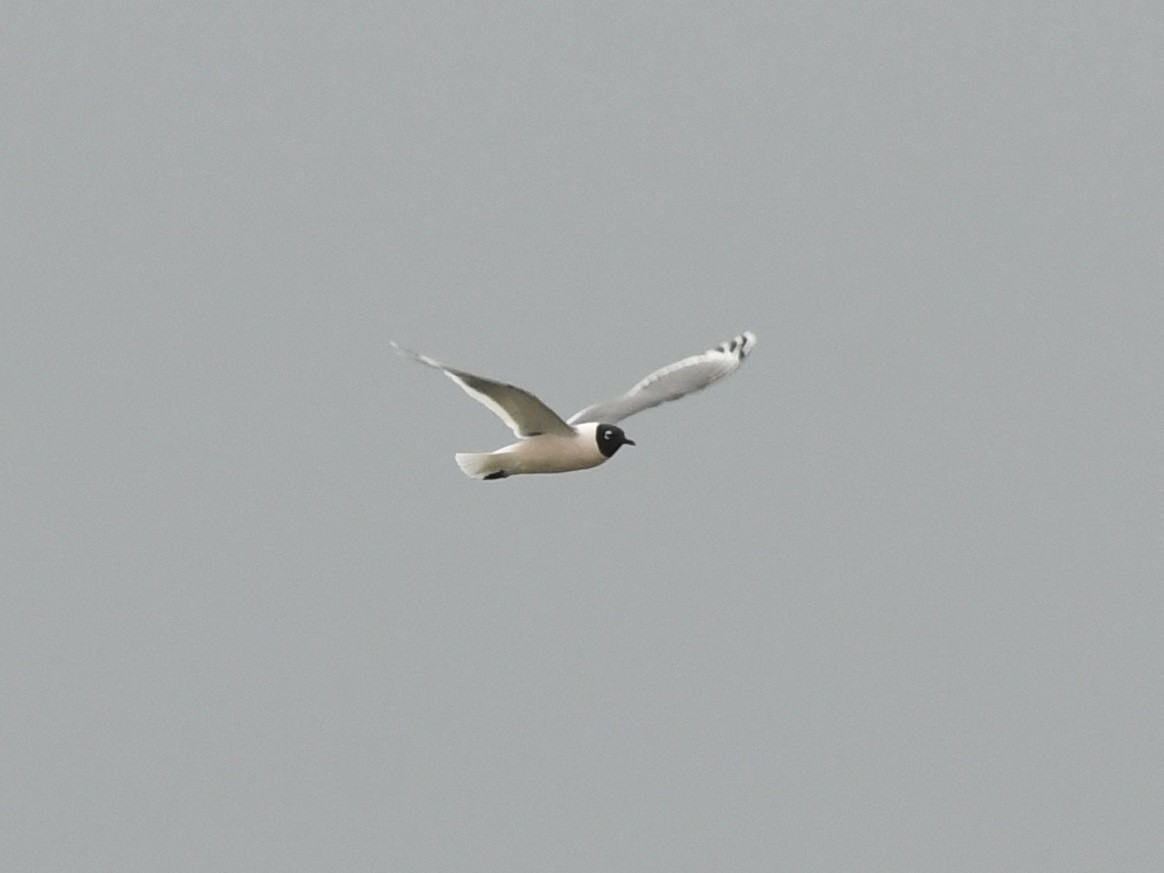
[887, 599]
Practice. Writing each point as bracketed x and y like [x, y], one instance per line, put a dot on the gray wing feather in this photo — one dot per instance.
[672, 382]
[521, 411]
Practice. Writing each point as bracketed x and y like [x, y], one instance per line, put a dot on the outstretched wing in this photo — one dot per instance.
[672, 382]
[521, 411]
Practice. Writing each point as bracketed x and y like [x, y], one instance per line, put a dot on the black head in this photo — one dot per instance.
[610, 438]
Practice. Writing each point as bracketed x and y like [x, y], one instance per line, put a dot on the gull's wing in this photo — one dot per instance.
[672, 382]
[525, 415]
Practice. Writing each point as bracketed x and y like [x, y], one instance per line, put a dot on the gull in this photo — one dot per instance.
[548, 444]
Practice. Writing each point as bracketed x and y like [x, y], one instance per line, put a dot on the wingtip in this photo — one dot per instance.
[416, 356]
[740, 346]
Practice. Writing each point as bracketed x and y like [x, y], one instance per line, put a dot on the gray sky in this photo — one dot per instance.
[889, 598]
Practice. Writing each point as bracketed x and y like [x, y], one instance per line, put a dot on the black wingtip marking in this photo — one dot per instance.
[500, 474]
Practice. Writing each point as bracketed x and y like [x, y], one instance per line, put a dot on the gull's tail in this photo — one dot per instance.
[488, 465]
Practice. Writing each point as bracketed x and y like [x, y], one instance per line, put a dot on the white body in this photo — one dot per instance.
[546, 453]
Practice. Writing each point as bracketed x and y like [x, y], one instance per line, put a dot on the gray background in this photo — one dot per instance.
[889, 598]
